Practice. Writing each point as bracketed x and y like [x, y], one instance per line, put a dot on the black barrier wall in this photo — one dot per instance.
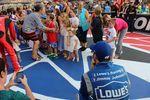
[142, 23]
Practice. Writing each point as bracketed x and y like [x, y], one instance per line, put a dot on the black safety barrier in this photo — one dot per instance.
[142, 23]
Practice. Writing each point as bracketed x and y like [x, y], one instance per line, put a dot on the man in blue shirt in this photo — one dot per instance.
[106, 81]
[107, 8]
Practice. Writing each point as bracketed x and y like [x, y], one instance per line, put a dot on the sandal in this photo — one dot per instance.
[37, 59]
[19, 70]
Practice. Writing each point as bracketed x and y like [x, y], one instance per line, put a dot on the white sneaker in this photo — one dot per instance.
[73, 59]
[77, 59]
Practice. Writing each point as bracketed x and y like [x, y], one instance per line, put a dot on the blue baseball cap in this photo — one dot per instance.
[51, 9]
[102, 50]
[44, 16]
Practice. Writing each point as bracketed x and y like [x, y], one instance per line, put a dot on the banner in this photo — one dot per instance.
[142, 23]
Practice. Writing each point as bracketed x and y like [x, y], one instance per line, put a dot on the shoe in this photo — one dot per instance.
[19, 70]
[55, 56]
[117, 57]
[73, 59]
[77, 59]
[37, 59]
[65, 56]
[51, 54]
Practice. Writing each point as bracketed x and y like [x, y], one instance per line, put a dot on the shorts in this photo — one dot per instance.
[82, 35]
[97, 37]
[53, 45]
[30, 36]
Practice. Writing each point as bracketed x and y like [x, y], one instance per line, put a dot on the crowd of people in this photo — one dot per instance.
[61, 28]
[46, 25]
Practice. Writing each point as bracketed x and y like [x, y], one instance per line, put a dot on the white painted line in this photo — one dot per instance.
[139, 45]
[142, 50]
[137, 39]
[37, 95]
[73, 82]
[143, 99]
[128, 37]
[26, 50]
[140, 33]
[139, 69]
[85, 54]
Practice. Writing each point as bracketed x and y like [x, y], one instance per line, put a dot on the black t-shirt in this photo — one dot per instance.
[97, 26]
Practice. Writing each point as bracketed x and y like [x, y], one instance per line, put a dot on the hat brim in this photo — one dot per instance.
[92, 47]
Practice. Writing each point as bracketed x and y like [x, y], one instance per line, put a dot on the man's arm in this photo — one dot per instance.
[41, 26]
[27, 88]
[29, 92]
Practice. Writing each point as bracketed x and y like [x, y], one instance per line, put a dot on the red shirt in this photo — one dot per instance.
[120, 24]
[51, 36]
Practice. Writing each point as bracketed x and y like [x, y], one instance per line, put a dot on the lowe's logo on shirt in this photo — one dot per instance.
[113, 90]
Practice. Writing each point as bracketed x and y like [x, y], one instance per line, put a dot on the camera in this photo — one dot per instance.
[19, 75]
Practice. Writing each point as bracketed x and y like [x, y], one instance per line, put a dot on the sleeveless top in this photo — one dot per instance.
[83, 21]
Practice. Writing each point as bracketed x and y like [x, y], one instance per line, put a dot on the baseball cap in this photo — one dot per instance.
[102, 50]
[51, 9]
[57, 7]
[44, 16]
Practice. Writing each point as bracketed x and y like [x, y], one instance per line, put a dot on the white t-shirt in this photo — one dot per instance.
[111, 34]
[72, 40]
[63, 30]
[64, 33]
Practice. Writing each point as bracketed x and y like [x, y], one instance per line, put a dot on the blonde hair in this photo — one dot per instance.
[67, 23]
[98, 11]
[80, 5]
[106, 19]
[71, 29]
[113, 21]
[65, 16]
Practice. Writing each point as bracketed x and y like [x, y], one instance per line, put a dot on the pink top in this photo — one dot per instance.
[120, 24]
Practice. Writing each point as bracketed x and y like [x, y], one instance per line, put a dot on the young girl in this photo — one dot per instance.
[96, 26]
[121, 27]
[111, 36]
[73, 45]
[52, 37]
[64, 23]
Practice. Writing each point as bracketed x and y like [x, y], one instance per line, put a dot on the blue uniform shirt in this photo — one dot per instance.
[107, 9]
[106, 81]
